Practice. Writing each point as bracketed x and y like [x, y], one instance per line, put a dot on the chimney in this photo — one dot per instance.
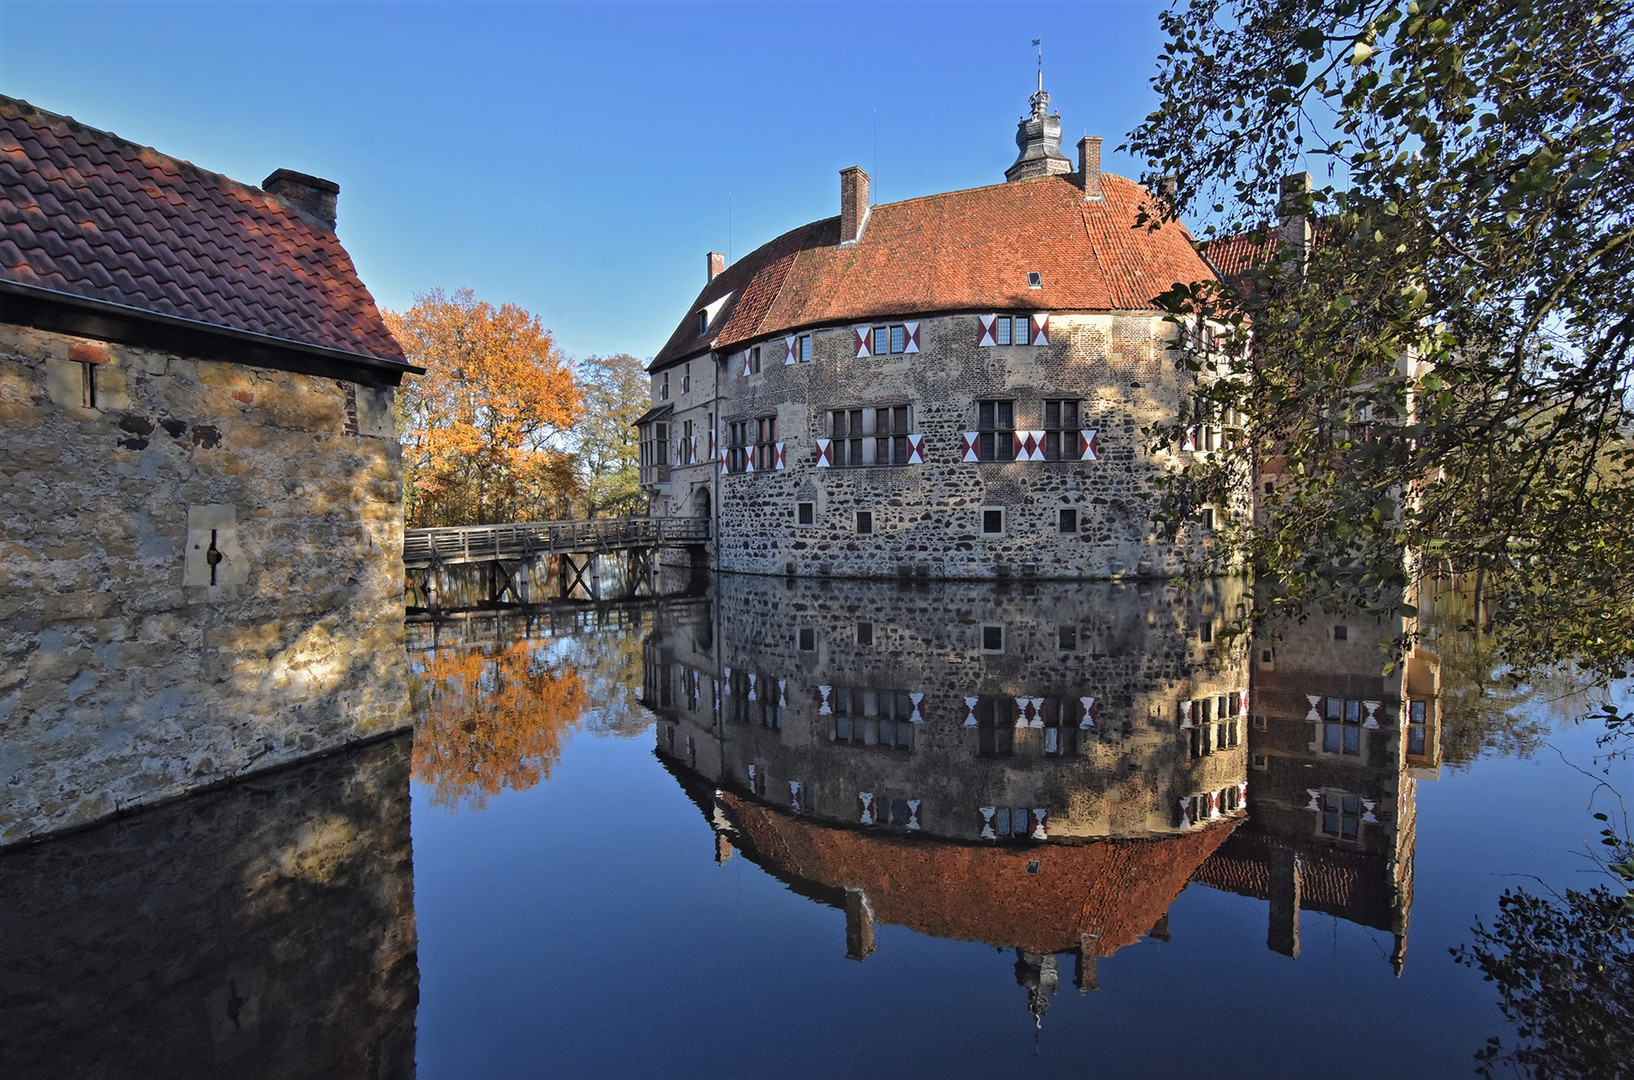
[717, 266]
[1089, 167]
[853, 204]
[1295, 229]
[310, 196]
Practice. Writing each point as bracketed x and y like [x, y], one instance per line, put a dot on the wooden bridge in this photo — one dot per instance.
[505, 557]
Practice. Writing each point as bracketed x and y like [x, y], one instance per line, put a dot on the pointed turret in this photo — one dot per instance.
[1039, 138]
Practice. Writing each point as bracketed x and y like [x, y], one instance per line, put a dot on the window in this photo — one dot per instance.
[1066, 638]
[87, 385]
[1270, 488]
[1418, 715]
[703, 321]
[993, 637]
[802, 348]
[1068, 520]
[686, 379]
[663, 387]
[1010, 822]
[1060, 430]
[805, 513]
[1256, 761]
[889, 339]
[865, 717]
[1205, 633]
[1341, 815]
[1060, 731]
[996, 430]
[654, 450]
[1341, 632]
[751, 361]
[1341, 726]
[737, 446]
[865, 633]
[865, 522]
[1012, 330]
[995, 729]
[683, 452]
[808, 639]
[1035, 280]
[765, 441]
[871, 436]
[992, 520]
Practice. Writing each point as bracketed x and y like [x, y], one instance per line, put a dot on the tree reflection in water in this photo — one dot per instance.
[491, 717]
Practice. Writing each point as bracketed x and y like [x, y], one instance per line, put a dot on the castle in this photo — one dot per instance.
[953, 386]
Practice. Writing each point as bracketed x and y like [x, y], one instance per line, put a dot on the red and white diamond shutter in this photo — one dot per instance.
[1242, 795]
[825, 453]
[915, 714]
[864, 340]
[788, 349]
[913, 337]
[778, 460]
[692, 450]
[1041, 824]
[1370, 714]
[1029, 446]
[865, 807]
[1188, 441]
[1041, 329]
[1086, 713]
[1185, 714]
[987, 813]
[916, 449]
[913, 814]
[971, 440]
[970, 711]
[1089, 449]
[746, 355]
[986, 336]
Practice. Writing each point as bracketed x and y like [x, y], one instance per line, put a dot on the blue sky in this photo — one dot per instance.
[579, 159]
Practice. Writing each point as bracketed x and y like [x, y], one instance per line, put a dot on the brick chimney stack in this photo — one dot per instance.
[1089, 167]
[853, 204]
[310, 196]
[717, 266]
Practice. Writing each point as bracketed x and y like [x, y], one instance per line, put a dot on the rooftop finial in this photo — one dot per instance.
[1038, 136]
[1040, 100]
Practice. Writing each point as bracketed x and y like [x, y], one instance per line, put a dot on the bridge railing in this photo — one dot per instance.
[478, 543]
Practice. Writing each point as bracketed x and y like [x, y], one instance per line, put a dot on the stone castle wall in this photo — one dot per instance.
[927, 518]
[134, 665]
[1137, 652]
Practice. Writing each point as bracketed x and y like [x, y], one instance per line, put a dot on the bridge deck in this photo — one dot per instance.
[491, 543]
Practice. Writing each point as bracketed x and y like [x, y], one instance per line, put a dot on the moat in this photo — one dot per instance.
[801, 828]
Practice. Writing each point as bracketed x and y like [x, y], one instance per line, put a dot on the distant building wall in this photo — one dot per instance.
[927, 517]
[126, 675]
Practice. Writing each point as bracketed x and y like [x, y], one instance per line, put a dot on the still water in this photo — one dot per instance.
[837, 829]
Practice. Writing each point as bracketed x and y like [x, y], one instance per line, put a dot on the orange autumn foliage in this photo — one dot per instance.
[483, 428]
[492, 718]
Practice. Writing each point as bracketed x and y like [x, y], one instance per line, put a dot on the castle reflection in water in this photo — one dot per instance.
[1046, 768]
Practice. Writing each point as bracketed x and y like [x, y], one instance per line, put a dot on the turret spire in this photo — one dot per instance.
[1039, 135]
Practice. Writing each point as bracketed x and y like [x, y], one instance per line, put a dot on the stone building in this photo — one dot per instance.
[200, 517]
[953, 386]
[1038, 768]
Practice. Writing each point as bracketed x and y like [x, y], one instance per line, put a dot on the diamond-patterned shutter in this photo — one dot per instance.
[970, 711]
[753, 692]
[1088, 448]
[1242, 795]
[726, 457]
[915, 716]
[1188, 441]
[1368, 808]
[913, 337]
[1316, 799]
[1041, 329]
[970, 440]
[1316, 707]
[1029, 712]
[916, 449]
[1183, 813]
[778, 456]
[824, 707]
[692, 450]
[1185, 714]
[865, 807]
[825, 453]
[746, 362]
[1029, 446]
[986, 335]
[794, 795]
[1370, 713]
[1086, 712]
[913, 814]
[864, 339]
[788, 349]
[987, 813]
[714, 452]
[749, 461]
[1040, 824]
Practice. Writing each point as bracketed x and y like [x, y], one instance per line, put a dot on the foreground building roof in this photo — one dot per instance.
[96, 221]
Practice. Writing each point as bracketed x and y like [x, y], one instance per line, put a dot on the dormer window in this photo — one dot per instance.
[703, 321]
[1035, 280]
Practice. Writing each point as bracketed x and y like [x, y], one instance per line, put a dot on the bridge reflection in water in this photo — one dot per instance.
[1042, 769]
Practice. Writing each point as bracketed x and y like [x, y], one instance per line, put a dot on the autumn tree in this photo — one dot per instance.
[1442, 362]
[483, 429]
[491, 718]
[615, 393]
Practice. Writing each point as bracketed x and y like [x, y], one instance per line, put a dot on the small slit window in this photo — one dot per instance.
[805, 512]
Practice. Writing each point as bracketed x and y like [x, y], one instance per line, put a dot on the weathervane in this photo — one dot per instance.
[1040, 100]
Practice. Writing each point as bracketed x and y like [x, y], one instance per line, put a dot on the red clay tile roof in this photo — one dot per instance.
[1352, 884]
[89, 214]
[1118, 889]
[959, 251]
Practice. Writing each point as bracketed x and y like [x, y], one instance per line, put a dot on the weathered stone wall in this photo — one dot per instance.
[126, 676]
[1136, 651]
[264, 930]
[927, 518]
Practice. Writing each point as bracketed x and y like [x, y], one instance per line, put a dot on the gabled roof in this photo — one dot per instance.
[960, 251]
[91, 217]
